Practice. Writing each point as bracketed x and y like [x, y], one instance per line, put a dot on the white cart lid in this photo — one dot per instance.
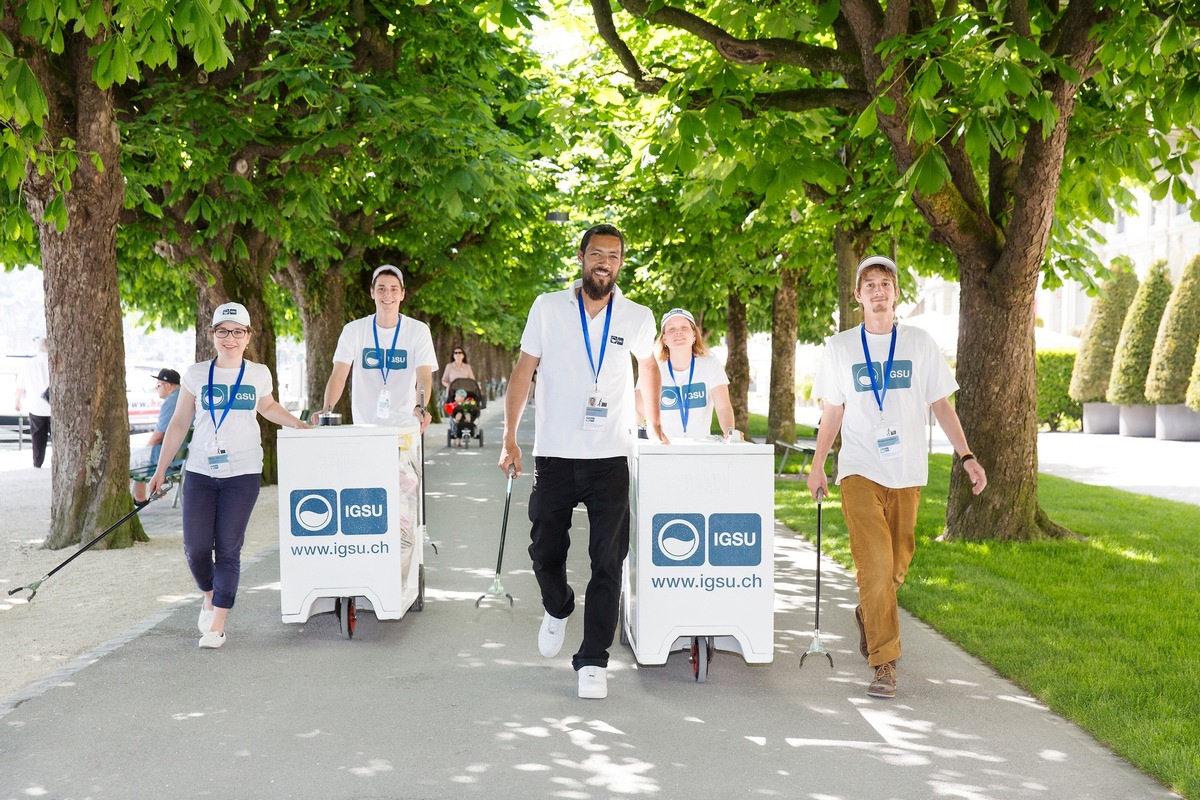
[714, 446]
[351, 430]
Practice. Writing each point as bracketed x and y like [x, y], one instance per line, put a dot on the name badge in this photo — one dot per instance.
[218, 460]
[595, 414]
[383, 409]
[887, 440]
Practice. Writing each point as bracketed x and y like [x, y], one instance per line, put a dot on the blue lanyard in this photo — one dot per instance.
[229, 400]
[383, 357]
[683, 406]
[886, 373]
[587, 340]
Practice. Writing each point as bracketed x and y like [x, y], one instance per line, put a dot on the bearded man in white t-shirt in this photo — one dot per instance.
[876, 380]
[581, 341]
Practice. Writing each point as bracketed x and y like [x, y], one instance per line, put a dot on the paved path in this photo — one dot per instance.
[455, 702]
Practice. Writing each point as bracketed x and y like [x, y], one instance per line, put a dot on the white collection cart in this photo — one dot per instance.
[351, 534]
[700, 572]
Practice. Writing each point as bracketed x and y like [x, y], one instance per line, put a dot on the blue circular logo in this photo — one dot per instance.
[678, 539]
[313, 512]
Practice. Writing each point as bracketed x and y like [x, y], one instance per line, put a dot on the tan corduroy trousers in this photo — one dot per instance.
[880, 522]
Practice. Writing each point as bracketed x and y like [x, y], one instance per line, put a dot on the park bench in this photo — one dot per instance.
[18, 424]
[174, 473]
[805, 447]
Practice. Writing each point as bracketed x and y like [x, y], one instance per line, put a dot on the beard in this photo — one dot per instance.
[595, 289]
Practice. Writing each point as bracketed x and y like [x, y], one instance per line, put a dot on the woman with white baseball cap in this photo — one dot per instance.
[694, 383]
[224, 462]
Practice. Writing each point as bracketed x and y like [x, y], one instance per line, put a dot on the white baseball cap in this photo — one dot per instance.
[677, 312]
[231, 312]
[388, 268]
[876, 261]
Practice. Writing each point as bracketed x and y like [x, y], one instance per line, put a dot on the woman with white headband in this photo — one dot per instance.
[694, 383]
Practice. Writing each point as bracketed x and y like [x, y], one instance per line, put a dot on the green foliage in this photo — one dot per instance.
[1054, 405]
[1089, 379]
[1131, 364]
[1193, 392]
[1106, 658]
[1176, 346]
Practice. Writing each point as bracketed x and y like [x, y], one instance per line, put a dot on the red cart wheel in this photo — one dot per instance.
[347, 616]
[700, 655]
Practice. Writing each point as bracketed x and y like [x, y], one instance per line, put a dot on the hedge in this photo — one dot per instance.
[1131, 364]
[1176, 344]
[1054, 404]
[1089, 379]
[1193, 394]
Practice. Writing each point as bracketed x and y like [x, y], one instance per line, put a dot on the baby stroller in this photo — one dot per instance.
[465, 402]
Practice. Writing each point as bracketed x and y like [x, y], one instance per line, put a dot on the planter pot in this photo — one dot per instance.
[1137, 420]
[1177, 423]
[1101, 418]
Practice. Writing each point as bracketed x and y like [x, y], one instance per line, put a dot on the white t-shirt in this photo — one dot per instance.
[239, 431]
[708, 374]
[920, 376]
[565, 381]
[413, 349]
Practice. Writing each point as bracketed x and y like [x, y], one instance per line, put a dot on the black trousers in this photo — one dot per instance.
[602, 486]
[39, 430]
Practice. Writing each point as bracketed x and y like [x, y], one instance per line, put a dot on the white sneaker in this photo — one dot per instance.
[212, 640]
[551, 635]
[205, 620]
[593, 683]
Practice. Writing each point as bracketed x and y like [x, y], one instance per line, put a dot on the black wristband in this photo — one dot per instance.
[966, 457]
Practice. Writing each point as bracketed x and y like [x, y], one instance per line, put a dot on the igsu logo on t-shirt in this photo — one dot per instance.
[372, 358]
[245, 400]
[694, 394]
[721, 540]
[901, 377]
[323, 512]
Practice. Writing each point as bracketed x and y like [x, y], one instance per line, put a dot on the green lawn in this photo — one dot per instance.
[1100, 630]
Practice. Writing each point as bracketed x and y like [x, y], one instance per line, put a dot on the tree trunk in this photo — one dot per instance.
[781, 415]
[737, 364]
[83, 311]
[850, 247]
[322, 303]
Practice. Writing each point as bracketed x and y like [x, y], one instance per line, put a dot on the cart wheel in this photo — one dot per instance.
[449, 438]
[347, 616]
[419, 603]
[624, 634]
[480, 434]
[700, 655]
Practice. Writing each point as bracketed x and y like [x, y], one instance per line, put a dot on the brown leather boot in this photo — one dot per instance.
[884, 684]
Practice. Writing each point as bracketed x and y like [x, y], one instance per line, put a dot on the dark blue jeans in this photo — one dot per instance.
[602, 486]
[215, 514]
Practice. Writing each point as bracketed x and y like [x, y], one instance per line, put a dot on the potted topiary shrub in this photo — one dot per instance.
[1131, 364]
[1093, 365]
[1193, 393]
[1173, 358]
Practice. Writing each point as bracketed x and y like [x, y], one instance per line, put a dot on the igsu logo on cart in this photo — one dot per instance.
[356, 512]
[723, 540]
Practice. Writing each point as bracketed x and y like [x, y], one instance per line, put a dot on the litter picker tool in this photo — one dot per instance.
[32, 588]
[497, 589]
[816, 646]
